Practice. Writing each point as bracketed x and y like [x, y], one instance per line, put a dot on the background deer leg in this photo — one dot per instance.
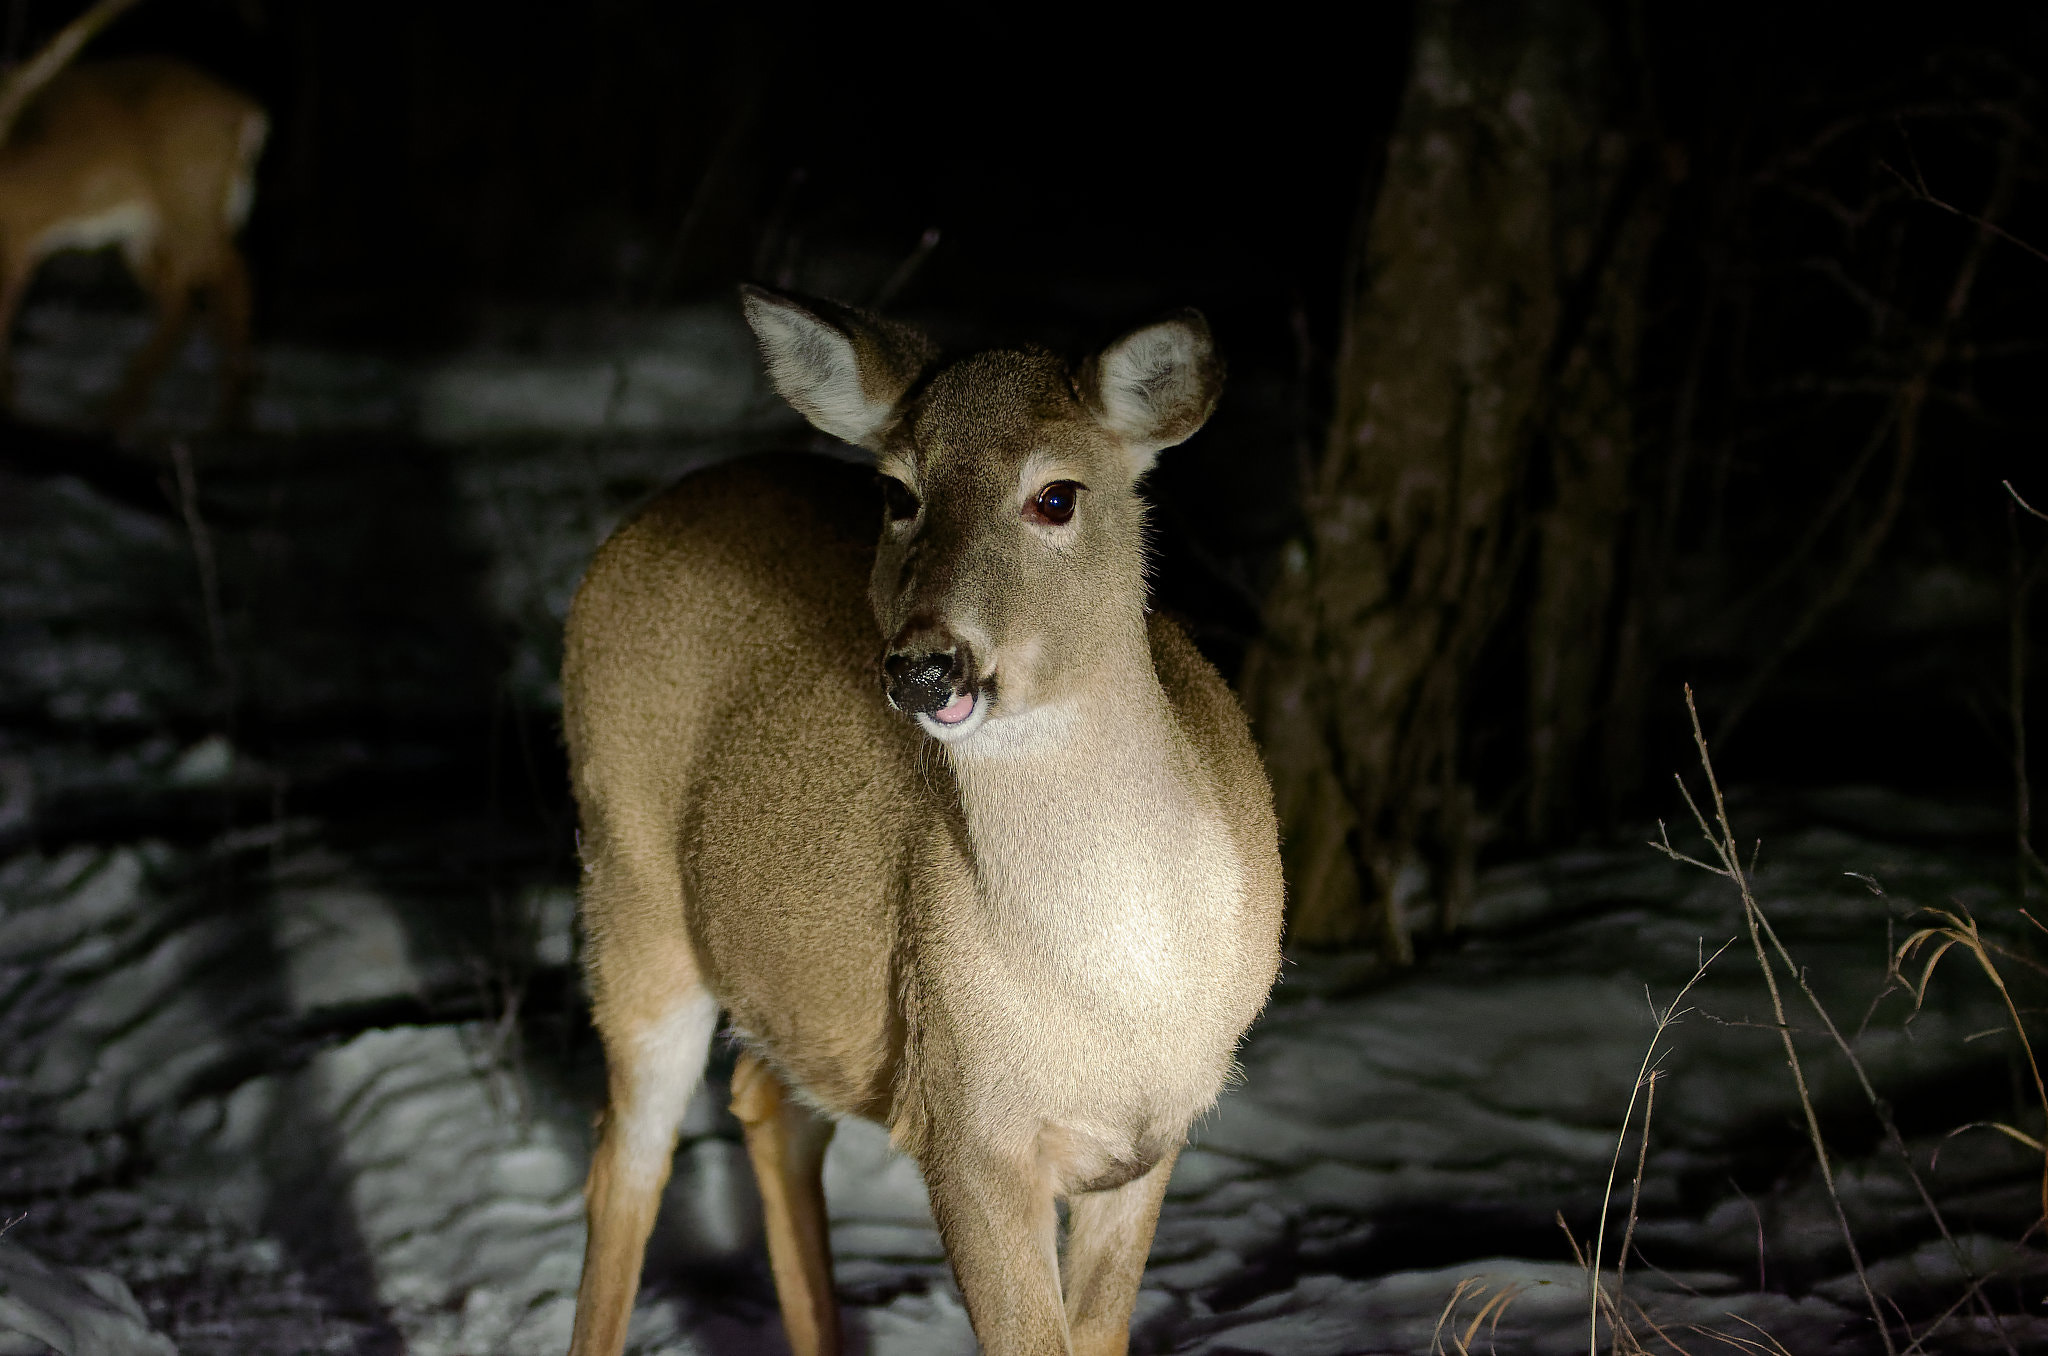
[13, 287]
[1109, 1234]
[1000, 1227]
[786, 1141]
[173, 298]
[231, 307]
[654, 1071]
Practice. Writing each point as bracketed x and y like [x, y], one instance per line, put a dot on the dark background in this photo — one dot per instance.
[440, 173]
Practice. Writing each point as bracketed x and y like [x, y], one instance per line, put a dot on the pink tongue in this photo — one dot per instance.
[961, 707]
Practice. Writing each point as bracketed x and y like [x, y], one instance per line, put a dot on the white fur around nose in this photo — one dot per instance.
[814, 367]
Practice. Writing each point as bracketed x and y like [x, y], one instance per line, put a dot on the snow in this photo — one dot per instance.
[72, 1310]
[1464, 1085]
[261, 1070]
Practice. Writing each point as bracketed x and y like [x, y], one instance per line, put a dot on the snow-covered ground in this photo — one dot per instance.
[283, 1069]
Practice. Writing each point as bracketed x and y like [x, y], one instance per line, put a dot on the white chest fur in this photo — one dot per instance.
[1107, 923]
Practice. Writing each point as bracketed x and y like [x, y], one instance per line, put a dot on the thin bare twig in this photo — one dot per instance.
[1904, 414]
[1635, 1194]
[906, 270]
[1917, 187]
[2024, 578]
[1758, 1216]
[1721, 837]
[2022, 502]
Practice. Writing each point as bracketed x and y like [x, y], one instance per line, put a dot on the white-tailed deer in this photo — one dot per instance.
[145, 153]
[1021, 919]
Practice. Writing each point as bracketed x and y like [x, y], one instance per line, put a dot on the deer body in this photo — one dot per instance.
[157, 158]
[1024, 928]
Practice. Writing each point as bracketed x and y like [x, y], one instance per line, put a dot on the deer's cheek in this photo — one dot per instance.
[885, 590]
[1024, 657]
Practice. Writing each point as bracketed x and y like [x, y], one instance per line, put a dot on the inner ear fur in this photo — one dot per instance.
[845, 370]
[1155, 386]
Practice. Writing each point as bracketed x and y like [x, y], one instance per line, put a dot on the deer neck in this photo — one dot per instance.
[1099, 846]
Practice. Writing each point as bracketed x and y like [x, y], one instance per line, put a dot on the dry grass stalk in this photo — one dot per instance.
[1721, 838]
[1487, 1315]
[1762, 1342]
[1624, 1340]
[1896, 1141]
[1957, 928]
[1646, 1087]
[1635, 1192]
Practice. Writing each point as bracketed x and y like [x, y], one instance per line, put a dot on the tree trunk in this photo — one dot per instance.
[1485, 362]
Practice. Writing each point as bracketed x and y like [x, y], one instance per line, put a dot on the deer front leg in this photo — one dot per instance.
[1109, 1234]
[654, 1069]
[786, 1142]
[996, 1215]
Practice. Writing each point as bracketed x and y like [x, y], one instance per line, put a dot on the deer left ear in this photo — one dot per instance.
[843, 369]
[1155, 386]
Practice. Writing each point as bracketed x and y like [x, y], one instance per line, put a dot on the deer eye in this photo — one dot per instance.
[897, 500]
[1055, 503]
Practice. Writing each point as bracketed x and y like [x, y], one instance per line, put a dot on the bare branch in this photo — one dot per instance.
[1905, 416]
[1723, 838]
[1917, 187]
[22, 84]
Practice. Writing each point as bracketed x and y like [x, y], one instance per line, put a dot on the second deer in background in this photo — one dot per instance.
[144, 153]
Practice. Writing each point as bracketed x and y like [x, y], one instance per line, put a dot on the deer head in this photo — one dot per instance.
[1009, 578]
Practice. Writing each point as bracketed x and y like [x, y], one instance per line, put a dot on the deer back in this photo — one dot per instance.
[144, 152]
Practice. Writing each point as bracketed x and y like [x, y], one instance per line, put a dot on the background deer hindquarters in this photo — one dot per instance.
[1022, 919]
[153, 156]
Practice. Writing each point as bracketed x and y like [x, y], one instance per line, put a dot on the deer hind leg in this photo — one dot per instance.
[13, 287]
[172, 293]
[786, 1141]
[654, 1069]
[1109, 1234]
[231, 308]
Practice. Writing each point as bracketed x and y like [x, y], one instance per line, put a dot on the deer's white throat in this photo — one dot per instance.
[1103, 863]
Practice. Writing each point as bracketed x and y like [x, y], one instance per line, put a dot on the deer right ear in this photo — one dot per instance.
[844, 370]
[1155, 386]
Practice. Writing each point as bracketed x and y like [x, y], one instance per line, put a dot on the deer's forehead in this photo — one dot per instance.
[982, 419]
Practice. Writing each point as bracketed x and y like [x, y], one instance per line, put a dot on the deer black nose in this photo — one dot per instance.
[921, 682]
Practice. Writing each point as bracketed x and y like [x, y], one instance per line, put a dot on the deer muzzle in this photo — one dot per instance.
[931, 676]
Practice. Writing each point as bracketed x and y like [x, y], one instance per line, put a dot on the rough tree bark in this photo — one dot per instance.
[1479, 456]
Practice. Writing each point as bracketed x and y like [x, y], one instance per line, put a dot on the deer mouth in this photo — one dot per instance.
[957, 710]
[961, 716]
[944, 691]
